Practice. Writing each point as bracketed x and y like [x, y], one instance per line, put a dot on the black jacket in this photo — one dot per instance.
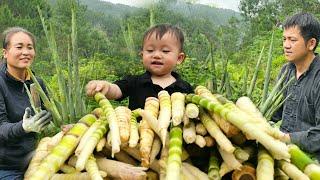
[16, 145]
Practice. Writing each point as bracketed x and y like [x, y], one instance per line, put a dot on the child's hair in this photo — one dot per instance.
[162, 29]
[309, 26]
[13, 30]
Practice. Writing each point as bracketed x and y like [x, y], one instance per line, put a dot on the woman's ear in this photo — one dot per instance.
[311, 44]
[181, 57]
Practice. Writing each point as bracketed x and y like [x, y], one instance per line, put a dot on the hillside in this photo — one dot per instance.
[217, 16]
[108, 8]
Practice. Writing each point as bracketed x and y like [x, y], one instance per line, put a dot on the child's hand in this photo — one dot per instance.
[95, 86]
[65, 128]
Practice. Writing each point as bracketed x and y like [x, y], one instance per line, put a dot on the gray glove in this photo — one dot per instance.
[37, 122]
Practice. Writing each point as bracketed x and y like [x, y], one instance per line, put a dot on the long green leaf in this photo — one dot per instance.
[58, 64]
[213, 69]
[267, 73]
[70, 89]
[255, 74]
[245, 78]
[47, 103]
[78, 104]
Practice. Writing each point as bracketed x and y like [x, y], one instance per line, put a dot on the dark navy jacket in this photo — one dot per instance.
[16, 145]
[300, 113]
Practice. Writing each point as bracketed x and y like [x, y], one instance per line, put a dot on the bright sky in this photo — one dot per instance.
[226, 4]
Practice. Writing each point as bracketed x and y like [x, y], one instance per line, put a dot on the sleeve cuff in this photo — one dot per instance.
[18, 129]
[298, 138]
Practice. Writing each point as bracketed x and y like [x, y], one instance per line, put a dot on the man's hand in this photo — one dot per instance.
[95, 86]
[285, 138]
[37, 122]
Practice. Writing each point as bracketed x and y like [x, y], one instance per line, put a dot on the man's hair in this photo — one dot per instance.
[162, 29]
[309, 26]
[7, 34]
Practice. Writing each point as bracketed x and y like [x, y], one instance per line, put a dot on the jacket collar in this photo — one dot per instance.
[315, 63]
[10, 78]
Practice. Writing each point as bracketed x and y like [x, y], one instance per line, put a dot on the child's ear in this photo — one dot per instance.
[181, 58]
[141, 53]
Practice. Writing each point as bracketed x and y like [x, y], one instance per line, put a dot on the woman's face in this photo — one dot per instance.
[20, 51]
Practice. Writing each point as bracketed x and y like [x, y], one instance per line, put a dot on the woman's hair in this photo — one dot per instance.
[7, 34]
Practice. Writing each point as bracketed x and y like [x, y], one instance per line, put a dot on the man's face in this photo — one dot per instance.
[294, 46]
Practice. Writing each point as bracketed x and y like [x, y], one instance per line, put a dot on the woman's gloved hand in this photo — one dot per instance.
[37, 122]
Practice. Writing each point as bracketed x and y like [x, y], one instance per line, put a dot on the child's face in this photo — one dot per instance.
[160, 56]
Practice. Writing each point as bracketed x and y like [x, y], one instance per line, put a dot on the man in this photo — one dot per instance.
[301, 111]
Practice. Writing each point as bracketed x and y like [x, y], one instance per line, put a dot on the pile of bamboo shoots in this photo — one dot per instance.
[110, 143]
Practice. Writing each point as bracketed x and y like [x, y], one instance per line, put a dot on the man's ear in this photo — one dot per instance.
[181, 58]
[311, 44]
[4, 53]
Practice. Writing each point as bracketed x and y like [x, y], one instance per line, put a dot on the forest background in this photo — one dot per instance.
[222, 46]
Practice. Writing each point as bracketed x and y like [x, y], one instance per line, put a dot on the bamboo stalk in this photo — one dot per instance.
[178, 107]
[200, 141]
[213, 170]
[121, 170]
[265, 167]
[112, 121]
[121, 156]
[280, 175]
[156, 148]
[229, 159]
[40, 153]
[196, 172]
[67, 169]
[239, 119]
[189, 133]
[292, 171]
[164, 114]
[215, 132]
[175, 153]
[146, 133]
[134, 130]
[192, 110]
[304, 162]
[246, 172]
[102, 142]
[91, 143]
[51, 164]
[92, 169]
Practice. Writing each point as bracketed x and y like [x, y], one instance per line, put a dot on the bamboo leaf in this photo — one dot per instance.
[47, 103]
[32, 103]
[255, 74]
[268, 71]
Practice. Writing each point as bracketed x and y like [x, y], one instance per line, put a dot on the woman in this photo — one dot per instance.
[17, 127]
